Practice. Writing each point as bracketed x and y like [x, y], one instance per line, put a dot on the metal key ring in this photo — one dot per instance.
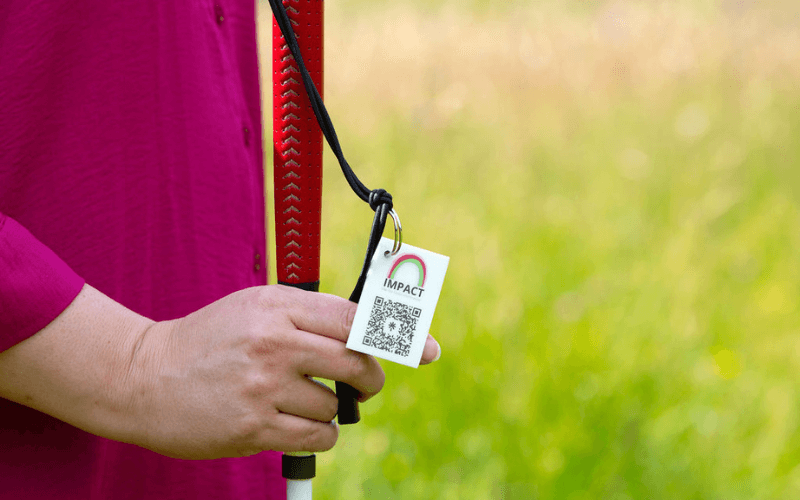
[398, 235]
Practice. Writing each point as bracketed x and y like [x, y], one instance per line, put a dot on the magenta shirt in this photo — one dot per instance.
[131, 159]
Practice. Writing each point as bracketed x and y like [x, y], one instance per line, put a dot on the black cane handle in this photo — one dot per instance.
[348, 404]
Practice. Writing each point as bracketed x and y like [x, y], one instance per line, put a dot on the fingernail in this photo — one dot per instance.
[438, 351]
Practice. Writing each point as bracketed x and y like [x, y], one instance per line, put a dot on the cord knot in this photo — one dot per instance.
[378, 197]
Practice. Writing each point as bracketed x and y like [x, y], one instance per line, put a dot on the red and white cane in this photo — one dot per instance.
[300, 122]
[298, 182]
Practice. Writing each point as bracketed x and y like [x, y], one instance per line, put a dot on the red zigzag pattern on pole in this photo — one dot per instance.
[297, 142]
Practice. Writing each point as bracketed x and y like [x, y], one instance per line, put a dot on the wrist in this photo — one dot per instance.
[74, 369]
[138, 388]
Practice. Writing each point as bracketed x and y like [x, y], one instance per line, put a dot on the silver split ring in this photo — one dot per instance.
[398, 234]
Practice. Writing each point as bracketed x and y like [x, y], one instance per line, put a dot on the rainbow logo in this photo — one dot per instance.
[409, 259]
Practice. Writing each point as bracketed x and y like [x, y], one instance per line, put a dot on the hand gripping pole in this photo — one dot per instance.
[297, 159]
[298, 155]
[297, 141]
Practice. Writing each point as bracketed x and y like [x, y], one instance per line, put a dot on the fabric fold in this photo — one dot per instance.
[35, 284]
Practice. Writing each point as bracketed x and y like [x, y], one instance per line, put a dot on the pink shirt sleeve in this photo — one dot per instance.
[35, 284]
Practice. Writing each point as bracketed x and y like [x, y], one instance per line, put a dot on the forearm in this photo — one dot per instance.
[77, 368]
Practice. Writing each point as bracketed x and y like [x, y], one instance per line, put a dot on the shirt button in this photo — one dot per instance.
[218, 13]
[246, 136]
[258, 267]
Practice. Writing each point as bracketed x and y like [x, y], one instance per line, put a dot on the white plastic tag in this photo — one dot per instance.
[396, 307]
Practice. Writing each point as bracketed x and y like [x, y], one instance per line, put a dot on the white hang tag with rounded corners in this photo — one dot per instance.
[396, 307]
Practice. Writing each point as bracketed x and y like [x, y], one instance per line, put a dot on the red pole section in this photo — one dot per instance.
[297, 148]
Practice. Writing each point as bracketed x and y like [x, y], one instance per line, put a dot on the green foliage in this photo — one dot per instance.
[620, 318]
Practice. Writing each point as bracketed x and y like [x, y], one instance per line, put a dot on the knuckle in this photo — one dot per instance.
[266, 296]
[375, 384]
[328, 405]
[268, 346]
[246, 433]
[332, 437]
[381, 379]
[261, 344]
[309, 440]
[348, 314]
[257, 385]
[358, 366]
[366, 374]
[275, 296]
[331, 408]
[319, 437]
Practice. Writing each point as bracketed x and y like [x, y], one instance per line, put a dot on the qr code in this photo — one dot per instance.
[391, 326]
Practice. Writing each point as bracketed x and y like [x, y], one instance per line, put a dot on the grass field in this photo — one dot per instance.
[617, 186]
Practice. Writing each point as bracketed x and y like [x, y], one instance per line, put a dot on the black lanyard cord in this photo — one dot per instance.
[373, 197]
[379, 199]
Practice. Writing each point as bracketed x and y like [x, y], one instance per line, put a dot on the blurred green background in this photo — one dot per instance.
[617, 186]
